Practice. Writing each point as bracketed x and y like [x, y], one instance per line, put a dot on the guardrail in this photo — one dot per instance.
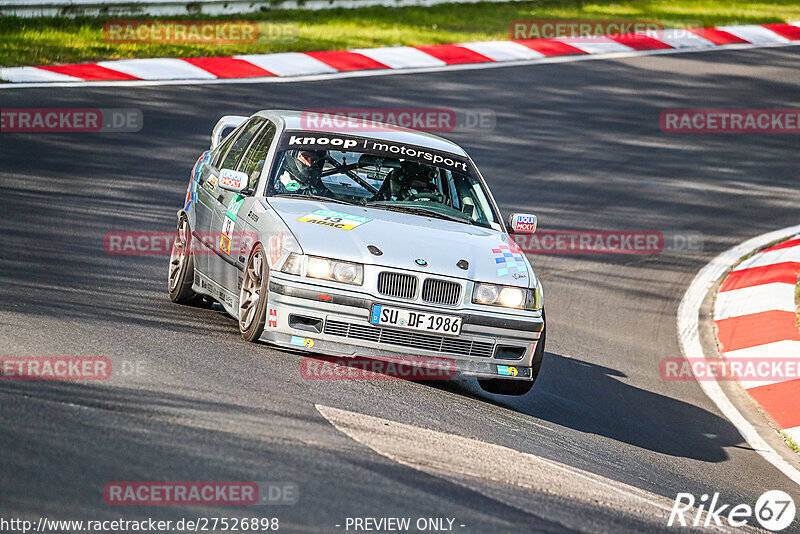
[115, 8]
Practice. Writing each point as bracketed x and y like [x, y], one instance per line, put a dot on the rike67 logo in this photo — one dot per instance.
[774, 510]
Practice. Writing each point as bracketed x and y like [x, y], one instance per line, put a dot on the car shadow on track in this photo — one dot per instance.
[594, 399]
[49, 435]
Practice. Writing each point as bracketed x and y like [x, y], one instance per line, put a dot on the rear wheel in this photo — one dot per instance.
[253, 295]
[181, 266]
[501, 386]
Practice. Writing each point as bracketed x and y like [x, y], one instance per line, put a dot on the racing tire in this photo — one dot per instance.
[253, 295]
[181, 266]
[501, 386]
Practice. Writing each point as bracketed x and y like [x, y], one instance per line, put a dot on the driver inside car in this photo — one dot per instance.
[303, 171]
[416, 182]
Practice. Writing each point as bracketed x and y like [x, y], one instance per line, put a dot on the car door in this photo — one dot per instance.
[206, 205]
[245, 153]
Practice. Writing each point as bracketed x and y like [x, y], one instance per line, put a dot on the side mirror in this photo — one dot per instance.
[522, 223]
[224, 126]
[233, 180]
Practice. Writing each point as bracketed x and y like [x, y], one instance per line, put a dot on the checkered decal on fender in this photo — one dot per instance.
[508, 257]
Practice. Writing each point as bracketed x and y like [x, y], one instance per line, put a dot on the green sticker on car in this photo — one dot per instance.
[234, 206]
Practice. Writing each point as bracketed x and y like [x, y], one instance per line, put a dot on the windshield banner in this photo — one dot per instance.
[379, 147]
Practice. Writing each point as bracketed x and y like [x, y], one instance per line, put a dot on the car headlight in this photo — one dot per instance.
[338, 271]
[507, 296]
[511, 297]
[293, 264]
[538, 297]
[485, 294]
[347, 273]
[318, 268]
[344, 272]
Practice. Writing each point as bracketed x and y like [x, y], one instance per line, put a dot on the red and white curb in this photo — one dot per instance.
[689, 314]
[756, 318]
[293, 64]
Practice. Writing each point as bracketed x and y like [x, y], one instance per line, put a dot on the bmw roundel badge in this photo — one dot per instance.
[421, 262]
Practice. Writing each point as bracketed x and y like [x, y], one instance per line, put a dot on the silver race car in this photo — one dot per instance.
[371, 241]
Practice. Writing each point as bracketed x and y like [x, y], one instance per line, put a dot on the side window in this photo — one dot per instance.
[222, 149]
[241, 143]
[253, 162]
[473, 202]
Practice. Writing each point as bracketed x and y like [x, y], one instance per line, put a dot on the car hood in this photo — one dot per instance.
[404, 238]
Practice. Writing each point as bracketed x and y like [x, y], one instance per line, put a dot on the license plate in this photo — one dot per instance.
[434, 323]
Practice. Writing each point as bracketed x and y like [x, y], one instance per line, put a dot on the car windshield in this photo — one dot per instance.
[381, 180]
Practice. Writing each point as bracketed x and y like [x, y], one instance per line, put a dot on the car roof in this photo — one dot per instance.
[293, 120]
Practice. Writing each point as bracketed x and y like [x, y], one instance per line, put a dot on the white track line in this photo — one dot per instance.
[684, 39]
[440, 453]
[157, 69]
[389, 72]
[595, 45]
[502, 50]
[400, 57]
[754, 33]
[772, 257]
[21, 73]
[755, 299]
[288, 64]
[689, 336]
[786, 349]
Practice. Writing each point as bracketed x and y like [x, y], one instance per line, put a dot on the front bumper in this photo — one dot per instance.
[330, 321]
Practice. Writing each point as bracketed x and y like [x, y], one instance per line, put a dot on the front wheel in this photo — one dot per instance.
[181, 266]
[502, 386]
[253, 295]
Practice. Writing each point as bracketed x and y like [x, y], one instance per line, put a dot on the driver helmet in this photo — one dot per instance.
[305, 166]
[418, 177]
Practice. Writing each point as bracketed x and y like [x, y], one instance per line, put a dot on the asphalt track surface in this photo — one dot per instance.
[578, 144]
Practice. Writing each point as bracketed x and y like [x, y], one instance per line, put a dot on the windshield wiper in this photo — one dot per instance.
[416, 210]
[314, 197]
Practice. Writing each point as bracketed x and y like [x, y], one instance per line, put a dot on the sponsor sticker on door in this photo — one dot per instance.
[275, 247]
[234, 206]
[230, 178]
